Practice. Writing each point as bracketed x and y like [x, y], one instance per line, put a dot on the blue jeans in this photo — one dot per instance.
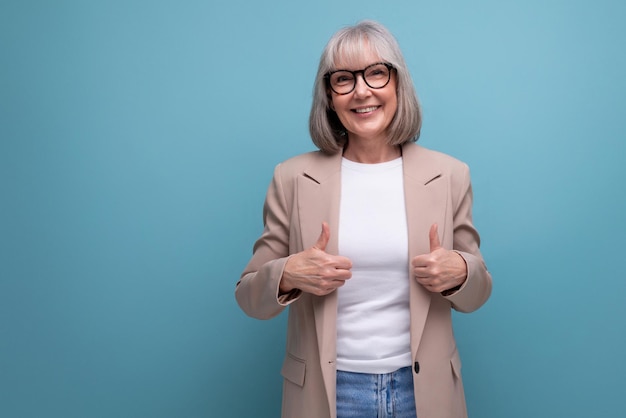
[362, 395]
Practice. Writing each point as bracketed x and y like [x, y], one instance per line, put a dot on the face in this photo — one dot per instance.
[366, 113]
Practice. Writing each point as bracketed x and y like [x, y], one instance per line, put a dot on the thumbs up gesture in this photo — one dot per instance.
[314, 270]
[440, 269]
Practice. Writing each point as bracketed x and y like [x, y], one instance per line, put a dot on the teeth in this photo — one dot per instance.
[366, 109]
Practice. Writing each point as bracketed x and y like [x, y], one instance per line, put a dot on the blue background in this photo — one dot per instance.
[137, 139]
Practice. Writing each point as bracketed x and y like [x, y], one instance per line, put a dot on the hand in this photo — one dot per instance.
[441, 269]
[315, 271]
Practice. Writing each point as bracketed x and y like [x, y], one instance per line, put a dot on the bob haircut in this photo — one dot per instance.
[347, 45]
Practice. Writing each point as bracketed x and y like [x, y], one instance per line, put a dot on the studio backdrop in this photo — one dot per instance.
[138, 138]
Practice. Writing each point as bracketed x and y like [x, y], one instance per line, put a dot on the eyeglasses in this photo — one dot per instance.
[376, 76]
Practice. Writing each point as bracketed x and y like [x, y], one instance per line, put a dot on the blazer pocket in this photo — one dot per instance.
[294, 369]
[455, 361]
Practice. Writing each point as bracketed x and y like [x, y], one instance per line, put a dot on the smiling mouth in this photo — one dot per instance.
[366, 109]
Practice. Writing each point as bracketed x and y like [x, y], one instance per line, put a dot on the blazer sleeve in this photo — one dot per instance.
[257, 291]
[466, 242]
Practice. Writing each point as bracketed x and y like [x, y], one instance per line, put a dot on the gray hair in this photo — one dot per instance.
[327, 132]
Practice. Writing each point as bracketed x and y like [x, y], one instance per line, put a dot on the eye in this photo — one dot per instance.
[377, 71]
[342, 77]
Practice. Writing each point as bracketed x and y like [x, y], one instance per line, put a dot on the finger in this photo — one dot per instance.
[324, 237]
[421, 274]
[341, 263]
[342, 274]
[434, 238]
[417, 262]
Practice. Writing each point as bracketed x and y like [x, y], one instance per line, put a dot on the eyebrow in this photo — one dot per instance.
[362, 68]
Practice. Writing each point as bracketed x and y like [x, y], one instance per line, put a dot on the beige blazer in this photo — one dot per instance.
[304, 192]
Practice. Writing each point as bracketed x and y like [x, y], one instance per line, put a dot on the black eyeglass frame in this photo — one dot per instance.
[355, 73]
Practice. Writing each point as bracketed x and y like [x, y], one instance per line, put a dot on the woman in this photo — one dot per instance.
[370, 296]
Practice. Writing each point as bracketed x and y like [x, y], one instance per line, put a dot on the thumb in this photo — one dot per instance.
[324, 237]
[434, 238]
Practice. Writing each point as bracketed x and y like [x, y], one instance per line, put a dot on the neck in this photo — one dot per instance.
[371, 153]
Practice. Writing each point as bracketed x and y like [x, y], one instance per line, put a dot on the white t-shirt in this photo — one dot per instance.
[373, 310]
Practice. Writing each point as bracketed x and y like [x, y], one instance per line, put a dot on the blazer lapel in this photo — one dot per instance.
[319, 193]
[425, 202]
[319, 189]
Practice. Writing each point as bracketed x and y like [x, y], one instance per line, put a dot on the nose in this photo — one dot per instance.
[361, 88]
